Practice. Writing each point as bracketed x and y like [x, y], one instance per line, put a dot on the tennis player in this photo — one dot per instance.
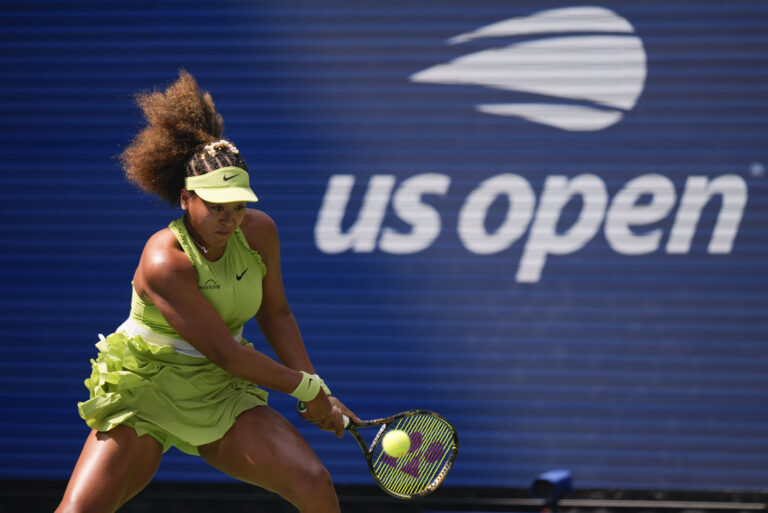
[178, 372]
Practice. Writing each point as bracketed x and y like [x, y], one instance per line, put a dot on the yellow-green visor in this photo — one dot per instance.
[225, 185]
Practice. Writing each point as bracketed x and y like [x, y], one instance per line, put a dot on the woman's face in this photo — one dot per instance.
[213, 223]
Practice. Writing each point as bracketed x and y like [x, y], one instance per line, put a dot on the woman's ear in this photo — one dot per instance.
[184, 199]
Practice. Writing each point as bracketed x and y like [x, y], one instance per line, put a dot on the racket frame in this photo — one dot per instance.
[368, 450]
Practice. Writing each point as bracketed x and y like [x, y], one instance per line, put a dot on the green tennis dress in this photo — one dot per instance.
[147, 377]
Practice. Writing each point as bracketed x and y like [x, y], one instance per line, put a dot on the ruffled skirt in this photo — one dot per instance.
[180, 400]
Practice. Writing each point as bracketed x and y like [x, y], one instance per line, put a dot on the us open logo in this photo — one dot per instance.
[585, 70]
[589, 77]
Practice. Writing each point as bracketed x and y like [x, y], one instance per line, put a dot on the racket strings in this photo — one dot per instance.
[418, 468]
[432, 443]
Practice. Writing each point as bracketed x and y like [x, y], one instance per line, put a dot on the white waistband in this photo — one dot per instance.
[181, 346]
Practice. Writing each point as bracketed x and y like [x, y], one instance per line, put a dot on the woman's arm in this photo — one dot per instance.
[167, 278]
[275, 318]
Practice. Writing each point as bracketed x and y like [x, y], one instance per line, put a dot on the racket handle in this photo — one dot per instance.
[303, 407]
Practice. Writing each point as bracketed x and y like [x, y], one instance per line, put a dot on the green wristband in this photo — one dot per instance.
[308, 388]
[324, 386]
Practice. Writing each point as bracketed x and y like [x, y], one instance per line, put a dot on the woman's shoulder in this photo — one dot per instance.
[259, 229]
[162, 241]
[163, 256]
[257, 219]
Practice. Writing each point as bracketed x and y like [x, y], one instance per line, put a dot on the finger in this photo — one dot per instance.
[324, 422]
[338, 422]
[328, 421]
[350, 414]
[354, 418]
[346, 411]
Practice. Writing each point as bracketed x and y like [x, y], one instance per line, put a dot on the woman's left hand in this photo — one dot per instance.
[330, 420]
[344, 410]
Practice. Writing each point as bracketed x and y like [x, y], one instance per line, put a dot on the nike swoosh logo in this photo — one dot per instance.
[238, 276]
[228, 178]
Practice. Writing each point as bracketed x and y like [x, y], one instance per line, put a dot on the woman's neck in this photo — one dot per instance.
[209, 253]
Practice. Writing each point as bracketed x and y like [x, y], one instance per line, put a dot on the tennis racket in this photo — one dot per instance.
[434, 445]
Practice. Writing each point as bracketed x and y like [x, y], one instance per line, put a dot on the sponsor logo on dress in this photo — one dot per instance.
[211, 284]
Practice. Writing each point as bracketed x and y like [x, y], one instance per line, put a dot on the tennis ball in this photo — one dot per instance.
[396, 443]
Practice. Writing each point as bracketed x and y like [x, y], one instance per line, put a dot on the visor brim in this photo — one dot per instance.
[227, 195]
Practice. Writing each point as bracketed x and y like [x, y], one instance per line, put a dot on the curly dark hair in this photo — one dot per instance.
[181, 121]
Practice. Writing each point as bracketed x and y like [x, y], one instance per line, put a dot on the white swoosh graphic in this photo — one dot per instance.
[566, 117]
[569, 19]
[607, 70]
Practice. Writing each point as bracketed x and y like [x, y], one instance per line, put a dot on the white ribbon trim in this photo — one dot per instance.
[132, 327]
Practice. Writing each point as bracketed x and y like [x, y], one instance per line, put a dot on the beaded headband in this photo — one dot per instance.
[211, 148]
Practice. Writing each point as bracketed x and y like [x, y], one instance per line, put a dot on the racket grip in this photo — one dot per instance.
[303, 407]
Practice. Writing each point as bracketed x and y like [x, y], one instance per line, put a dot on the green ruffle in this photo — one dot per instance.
[180, 400]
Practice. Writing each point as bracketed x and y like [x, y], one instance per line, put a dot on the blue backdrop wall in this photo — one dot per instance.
[545, 220]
